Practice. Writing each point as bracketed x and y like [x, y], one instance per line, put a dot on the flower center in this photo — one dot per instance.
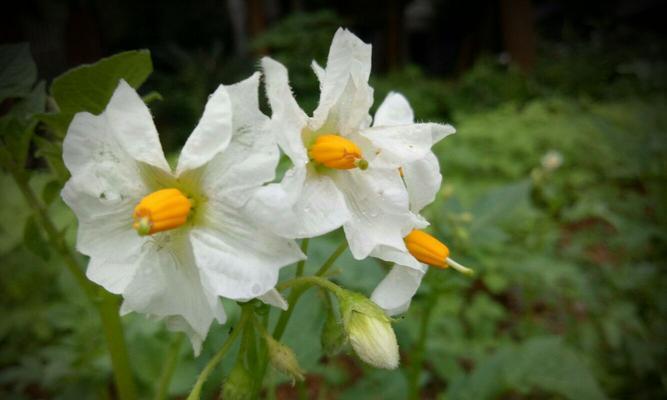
[431, 251]
[160, 211]
[336, 152]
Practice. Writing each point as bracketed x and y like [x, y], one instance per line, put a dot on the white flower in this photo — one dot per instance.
[171, 242]
[346, 172]
[422, 179]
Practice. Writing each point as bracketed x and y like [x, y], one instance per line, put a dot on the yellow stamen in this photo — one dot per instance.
[430, 250]
[336, 152]
[160, 211]
[400, 171]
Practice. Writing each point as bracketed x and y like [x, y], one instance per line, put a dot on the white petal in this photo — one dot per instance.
[441, 131]
[131, 123]
[274, 298]
[287, 119]
[378, 202]
[401, 144]
[349, 113]
[212, 134]
[394, 110]
[240, 260]
[395, 256]
[95, 158]
[349, 58]
[395, 291]
[105, 223]
[252, 155]
[304, 204]
[423, 179]
[114, 276]
[318, 70]
[167, 285]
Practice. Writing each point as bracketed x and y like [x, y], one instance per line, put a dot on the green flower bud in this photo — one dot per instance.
[333, 336]
[283, 359]
[239, 385]
[369, 331]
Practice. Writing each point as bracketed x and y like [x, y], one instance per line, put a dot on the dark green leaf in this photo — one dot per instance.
[18, 71]
[89, 87]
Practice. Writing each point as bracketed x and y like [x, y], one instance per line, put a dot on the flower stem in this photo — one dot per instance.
[168, 368]
[332, 259]
[293, 297]
[113, 332]
[203, 376]
[418, 352]
[106, 303]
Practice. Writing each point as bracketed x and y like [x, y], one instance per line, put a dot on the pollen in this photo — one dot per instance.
[429, 250]
[337, 152]
[160, 211]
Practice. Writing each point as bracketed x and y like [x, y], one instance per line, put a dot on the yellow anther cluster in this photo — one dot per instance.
[160, 211]
[337, 152]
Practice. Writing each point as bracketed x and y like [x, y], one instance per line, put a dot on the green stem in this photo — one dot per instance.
[107, 304]
[293, 298]
[168, 368]
[332, 259]
[203, 376]
[418, 353]
[113, 332]
[309, 281]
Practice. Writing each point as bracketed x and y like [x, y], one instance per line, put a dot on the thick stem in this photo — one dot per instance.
[113, 332]
[107, 304]
[168, 368]
[203, 376]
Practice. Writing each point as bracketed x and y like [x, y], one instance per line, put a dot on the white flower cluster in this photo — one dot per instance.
[171, 241]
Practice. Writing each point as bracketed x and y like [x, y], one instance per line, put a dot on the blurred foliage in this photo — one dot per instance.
[569, 297]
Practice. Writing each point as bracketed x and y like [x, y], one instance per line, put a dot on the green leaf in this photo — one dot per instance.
[544, 364]
[18, 71]
[500, 203]
[89, 87]
[51, 191]
[34, 241]
[52, 153]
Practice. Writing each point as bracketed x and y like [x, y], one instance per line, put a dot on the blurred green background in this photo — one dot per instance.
[554, 191]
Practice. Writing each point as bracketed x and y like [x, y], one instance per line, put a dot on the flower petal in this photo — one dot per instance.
[167, 284]
[396, 290]
[287, 119]
[252, 155]
[422, 178]
[394, 110]
[400, 144]
[378, 202]
[349, 59]
[105, 222]
[212, 134]
[239, 259]
[274, 298]
[130, 122]
[91, 150]
[304, 204]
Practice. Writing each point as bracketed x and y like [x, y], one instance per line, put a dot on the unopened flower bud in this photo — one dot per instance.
[333, 336]
[552, 160]
[283, 359]
[239, 385]
[369, 331]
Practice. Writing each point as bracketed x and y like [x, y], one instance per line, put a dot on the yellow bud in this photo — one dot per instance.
[429, 250]
[336, 152]
[160, 211]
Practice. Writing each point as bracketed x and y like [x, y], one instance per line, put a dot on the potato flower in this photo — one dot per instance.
[172, 241]
[345, 171]
[422, 179]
